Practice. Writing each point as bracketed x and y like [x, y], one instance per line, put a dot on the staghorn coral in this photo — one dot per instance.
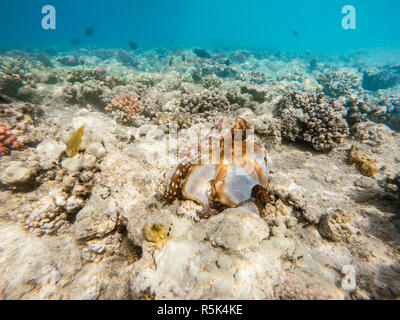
[8, 141]
[123, 108]
[312, 118]
[366, 165]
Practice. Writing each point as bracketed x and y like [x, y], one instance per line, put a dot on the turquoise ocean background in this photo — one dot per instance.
[207, 23]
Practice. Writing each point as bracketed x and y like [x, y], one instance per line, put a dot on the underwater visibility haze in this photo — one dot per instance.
[187, 149]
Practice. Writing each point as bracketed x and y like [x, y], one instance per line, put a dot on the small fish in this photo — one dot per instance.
[75, 42]
[295, 33]
[89, 31]
[133, 45]
[74, 143]
[201, 53]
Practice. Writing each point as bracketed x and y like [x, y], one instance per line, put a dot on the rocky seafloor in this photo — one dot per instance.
[95, 226]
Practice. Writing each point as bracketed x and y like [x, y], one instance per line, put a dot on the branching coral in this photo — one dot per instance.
[313, 118]
[383, 77]
[12, 76]
[340, 83]
[205, 101]
[8, 141]
[123, 108]
[387, 111]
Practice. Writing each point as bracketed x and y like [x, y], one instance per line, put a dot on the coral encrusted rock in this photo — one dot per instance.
[312, 118]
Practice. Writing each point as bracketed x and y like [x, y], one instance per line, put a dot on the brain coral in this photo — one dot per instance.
[123, 108]
[312, 118]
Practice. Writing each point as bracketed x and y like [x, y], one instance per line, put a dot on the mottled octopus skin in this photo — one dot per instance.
[229, 181]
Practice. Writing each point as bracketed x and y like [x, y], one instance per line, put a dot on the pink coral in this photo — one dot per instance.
[123, 108]
[8, 141]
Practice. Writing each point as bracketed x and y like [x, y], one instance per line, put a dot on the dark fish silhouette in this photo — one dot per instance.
[75, 42]
[201, 53]
[133, 45]
[89, 31]
[295, 33]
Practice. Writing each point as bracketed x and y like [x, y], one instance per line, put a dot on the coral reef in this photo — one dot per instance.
[96, 226]
[8, 141]
[123, 108]
[340, 83]
[208, 68]
[383, 77]
[13, 76]
[312, 118]
[387, 111]
[206, 101]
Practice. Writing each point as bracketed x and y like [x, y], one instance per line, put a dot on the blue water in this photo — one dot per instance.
[205, 23]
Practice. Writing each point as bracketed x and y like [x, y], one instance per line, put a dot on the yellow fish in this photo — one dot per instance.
[74, 143]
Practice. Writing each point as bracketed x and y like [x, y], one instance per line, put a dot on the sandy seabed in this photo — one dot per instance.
[95, 226]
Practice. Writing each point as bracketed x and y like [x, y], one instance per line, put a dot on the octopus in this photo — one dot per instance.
[224, 170]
